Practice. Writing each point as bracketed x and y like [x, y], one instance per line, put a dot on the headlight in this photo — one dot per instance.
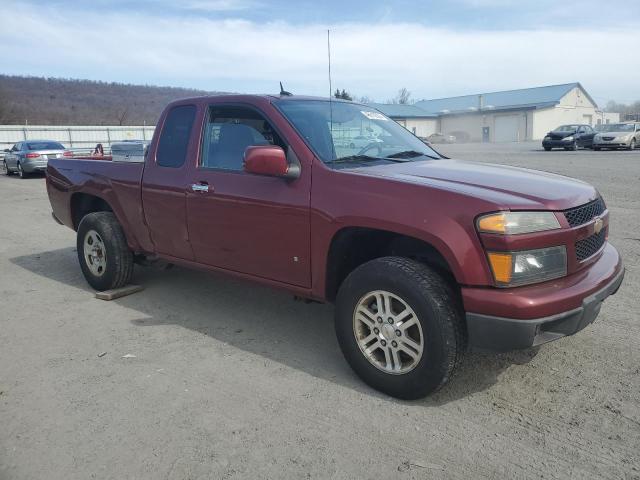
[512, 269]
[568, 139]
[623, 138]
[512, 223]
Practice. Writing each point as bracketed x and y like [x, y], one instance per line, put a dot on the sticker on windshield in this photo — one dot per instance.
[373, 115]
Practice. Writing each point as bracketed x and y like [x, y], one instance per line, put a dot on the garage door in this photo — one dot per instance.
[506, 128]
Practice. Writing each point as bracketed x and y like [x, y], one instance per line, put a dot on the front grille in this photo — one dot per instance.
[590, 245]
[585, 213]
[608, 139]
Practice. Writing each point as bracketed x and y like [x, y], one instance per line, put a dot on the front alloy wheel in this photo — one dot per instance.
[400, 326]
[388, 332]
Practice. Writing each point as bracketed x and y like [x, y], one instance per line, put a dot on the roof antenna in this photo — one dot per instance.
[330, 87]
[284, 92]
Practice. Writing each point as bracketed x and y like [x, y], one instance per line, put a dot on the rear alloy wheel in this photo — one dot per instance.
[21, 173]
[399, 326]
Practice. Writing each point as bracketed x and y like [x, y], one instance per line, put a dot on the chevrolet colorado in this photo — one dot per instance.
[423, 256]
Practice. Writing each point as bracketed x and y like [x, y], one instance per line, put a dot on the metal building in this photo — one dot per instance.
[507, 116]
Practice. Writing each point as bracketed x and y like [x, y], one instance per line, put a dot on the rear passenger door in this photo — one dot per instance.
[252, 224]
[164, 181]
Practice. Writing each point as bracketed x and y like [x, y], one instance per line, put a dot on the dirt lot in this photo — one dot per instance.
[232, 380]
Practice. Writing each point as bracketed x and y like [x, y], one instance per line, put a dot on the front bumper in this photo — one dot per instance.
[556, 143]
[611, 144]
[581, 297]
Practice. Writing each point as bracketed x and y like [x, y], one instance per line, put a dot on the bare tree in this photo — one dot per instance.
[403, 97]
[4, 107]
[123, 116]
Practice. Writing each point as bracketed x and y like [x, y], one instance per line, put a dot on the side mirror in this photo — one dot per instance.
[268, 160]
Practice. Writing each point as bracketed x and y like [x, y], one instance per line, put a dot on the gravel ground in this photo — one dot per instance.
[233, 380]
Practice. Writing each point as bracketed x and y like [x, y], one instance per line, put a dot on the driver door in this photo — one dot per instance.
[247, 223]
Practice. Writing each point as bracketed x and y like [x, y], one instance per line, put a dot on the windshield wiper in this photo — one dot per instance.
[409, 154]
[355, 158]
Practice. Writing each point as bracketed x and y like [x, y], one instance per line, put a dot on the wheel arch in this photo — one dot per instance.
[82, 204]
[352, 246]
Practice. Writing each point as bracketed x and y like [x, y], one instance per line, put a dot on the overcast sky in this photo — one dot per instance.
[434, 48]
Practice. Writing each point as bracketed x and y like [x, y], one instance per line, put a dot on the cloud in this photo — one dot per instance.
[368, 59]
[218, 5]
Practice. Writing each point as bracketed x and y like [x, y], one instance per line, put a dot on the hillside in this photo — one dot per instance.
[57, 101]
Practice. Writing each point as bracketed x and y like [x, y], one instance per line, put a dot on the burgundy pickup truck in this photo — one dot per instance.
[423, 256]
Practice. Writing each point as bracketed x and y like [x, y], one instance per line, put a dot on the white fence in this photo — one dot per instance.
[73, 137]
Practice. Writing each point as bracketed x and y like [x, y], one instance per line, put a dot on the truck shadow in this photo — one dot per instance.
[258, 320]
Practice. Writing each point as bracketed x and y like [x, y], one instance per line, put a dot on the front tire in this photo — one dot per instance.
[105, 258]
[547, 149]
[399, 326]
[632, 144]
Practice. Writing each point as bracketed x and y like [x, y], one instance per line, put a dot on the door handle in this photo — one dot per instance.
[200, 187]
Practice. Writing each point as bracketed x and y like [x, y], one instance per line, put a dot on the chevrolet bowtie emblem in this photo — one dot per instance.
[598, 224]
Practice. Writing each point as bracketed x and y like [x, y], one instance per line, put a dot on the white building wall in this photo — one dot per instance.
[472, 124]
[421, 127]
[574, 107]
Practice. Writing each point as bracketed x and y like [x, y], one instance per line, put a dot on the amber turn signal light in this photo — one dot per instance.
[492, 223]
[502, 266]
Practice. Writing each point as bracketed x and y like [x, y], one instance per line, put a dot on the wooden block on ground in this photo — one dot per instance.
[119, 292]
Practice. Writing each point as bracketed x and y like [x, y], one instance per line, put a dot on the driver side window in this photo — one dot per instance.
[228, 131]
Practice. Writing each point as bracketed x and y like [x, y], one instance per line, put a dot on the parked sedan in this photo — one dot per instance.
[569, 137]
[32, 156]
[362, 141]
[618, 135]
[441, 138]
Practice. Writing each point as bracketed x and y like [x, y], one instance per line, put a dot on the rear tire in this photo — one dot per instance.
[21, 173]
[105, 258]
[406, 358]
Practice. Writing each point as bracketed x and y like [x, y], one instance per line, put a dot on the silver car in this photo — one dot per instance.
[31, 156]
[617, 135]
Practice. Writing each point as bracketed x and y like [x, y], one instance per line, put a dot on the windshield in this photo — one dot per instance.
[349, 132]
[617, 127]
[567, 128]
[44, 146]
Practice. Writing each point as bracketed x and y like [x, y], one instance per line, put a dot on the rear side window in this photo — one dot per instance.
[174, 139]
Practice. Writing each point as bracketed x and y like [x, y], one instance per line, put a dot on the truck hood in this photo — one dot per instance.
[504, 186]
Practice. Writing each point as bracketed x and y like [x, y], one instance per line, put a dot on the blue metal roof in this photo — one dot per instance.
[397, 110]
[538, 97]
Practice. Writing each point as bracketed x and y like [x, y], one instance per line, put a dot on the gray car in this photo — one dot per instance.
[31, 156]
[617, 135]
